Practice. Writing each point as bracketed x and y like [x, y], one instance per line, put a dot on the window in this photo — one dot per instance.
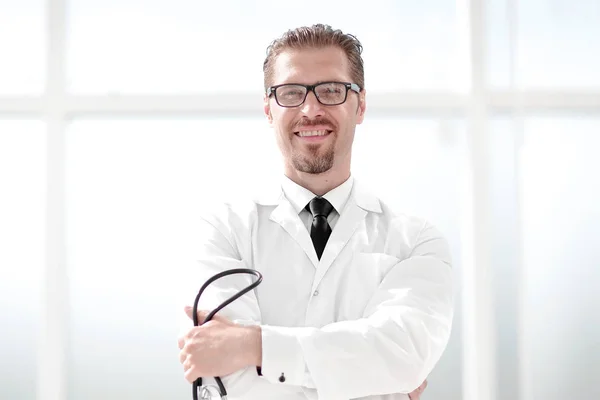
[555, 44]
[22, 70]
[182, 46]
[561, 194]
[22, 203]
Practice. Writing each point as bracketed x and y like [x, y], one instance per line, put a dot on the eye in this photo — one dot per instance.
[330, 89]
[290, 91]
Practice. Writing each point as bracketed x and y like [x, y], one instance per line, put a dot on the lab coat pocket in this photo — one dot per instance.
[373, 267]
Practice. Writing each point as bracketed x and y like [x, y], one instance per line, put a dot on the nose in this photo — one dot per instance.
[311, 107]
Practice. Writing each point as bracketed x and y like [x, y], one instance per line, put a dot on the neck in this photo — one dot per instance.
[319, 184]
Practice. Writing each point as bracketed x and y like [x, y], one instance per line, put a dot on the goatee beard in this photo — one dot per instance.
[319, 159]
[316, 164]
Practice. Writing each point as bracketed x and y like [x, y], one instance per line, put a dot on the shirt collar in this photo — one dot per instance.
[299, 196]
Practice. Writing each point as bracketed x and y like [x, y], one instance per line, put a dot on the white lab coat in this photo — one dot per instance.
[370, 320]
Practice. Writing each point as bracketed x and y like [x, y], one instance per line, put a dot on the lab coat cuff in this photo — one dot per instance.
[282, 357]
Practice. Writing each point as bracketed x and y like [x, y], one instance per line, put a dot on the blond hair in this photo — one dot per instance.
[316, 36]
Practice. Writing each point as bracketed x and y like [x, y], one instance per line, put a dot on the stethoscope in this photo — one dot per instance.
[212, 392]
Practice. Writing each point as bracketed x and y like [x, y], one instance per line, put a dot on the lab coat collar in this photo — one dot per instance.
[361, 196]
[359, 204]
[300, 196]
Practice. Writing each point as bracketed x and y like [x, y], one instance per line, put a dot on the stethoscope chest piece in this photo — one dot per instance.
[211, 392]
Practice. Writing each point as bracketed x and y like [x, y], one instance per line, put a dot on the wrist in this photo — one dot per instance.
[253, 346]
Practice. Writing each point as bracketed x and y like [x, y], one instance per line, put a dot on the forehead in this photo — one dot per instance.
[311, 65]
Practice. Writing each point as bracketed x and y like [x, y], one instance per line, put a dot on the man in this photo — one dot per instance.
[356, 301]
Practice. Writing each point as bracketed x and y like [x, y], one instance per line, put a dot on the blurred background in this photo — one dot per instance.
[119, 117]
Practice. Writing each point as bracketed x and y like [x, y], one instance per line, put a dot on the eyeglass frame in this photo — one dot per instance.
[311, 88]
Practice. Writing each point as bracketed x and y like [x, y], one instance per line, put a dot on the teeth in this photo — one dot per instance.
[312, 133]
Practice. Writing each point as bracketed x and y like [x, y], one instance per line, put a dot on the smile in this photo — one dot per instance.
[312, 133]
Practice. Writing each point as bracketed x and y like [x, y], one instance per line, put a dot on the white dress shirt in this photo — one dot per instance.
[299, 197]
[369, 320]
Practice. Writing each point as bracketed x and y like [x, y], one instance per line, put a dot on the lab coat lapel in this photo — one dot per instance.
[349, 221]
[286, 216]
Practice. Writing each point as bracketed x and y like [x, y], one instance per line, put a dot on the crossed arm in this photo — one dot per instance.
[392, 349]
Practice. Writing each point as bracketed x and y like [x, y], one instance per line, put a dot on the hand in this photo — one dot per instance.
[217, 348]
[416, 394]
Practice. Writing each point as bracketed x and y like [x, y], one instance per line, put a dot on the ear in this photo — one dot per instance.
[362, 107]
[267, 109]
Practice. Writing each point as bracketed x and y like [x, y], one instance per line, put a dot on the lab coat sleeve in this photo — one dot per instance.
[404, 331]
[214, 251]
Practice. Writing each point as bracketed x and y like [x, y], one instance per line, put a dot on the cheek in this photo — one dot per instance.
[281, 124]
[343, 119]
[283, 121]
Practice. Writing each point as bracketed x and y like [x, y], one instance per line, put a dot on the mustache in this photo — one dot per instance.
[304, 123]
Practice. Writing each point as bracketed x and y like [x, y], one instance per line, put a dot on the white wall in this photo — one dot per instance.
[157, 103]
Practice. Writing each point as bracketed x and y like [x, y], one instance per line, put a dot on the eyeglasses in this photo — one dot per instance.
[327, 93]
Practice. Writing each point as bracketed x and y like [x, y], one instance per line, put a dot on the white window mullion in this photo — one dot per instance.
[518, 121]
[21, 105]
[252, 103]
[479, 378]
[54, 327]
[542, 100]
[245, 104]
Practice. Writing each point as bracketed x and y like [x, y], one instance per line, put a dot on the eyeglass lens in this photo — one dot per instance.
[327, 93]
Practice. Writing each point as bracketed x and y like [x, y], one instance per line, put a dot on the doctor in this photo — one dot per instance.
[356, 300]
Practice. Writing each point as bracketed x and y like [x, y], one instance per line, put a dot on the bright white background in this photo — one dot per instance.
[118, 118]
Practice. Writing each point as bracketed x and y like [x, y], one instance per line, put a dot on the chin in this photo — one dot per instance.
[314, 166]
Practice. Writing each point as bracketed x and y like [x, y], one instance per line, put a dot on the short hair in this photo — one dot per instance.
[317, 36]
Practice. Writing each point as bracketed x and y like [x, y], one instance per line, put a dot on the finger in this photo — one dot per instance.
[201, 314]
[182, 356]
[416, 394]
[186, 363]
[191, 374]
[188, 311]
[181, 342]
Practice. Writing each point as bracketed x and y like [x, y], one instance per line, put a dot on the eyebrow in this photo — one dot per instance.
[315, 83]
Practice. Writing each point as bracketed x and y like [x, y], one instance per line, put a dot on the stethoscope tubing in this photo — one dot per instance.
[198, 382]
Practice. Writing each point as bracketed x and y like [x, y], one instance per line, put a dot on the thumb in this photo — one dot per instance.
[190, 313]
[201, 314]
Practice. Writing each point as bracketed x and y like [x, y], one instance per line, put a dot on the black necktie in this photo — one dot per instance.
[320, 229]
